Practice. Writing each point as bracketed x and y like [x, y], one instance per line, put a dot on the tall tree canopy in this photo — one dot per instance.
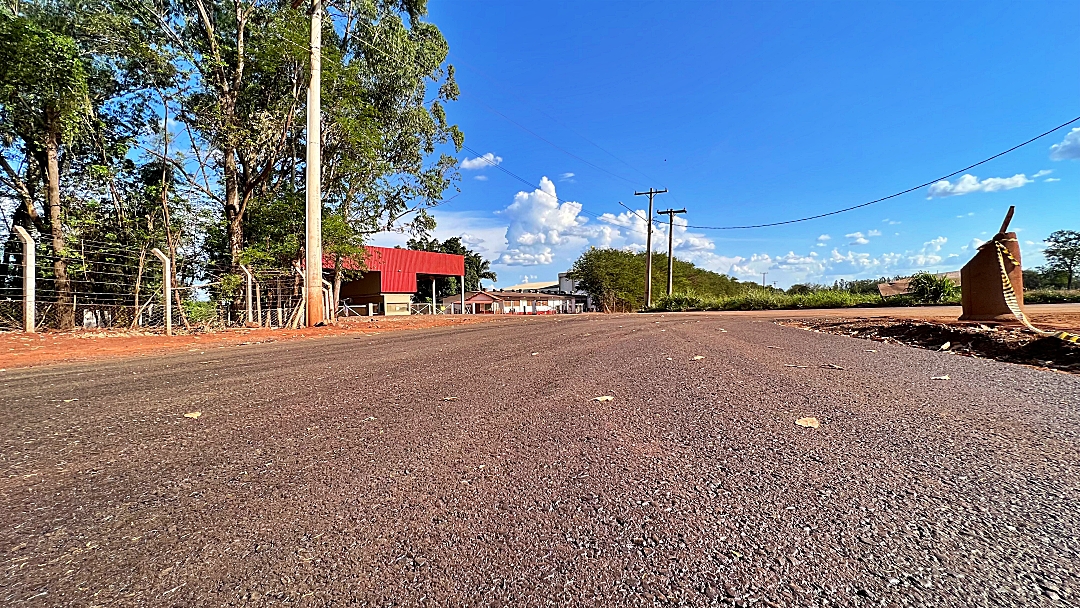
[128, 125]
[1063, 254]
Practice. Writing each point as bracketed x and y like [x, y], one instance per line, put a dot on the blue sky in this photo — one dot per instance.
[758, 112]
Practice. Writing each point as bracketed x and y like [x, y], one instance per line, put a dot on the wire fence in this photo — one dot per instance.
[102, 285]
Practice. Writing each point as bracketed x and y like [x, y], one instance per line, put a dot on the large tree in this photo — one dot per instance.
[1063, 253]
[63, 66]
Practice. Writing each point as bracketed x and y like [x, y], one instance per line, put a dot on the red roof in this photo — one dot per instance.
[398, 268]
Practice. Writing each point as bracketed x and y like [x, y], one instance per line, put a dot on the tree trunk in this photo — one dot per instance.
[235, 230]
[65, 308]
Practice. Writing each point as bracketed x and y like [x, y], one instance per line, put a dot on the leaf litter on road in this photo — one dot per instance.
[830, 366]
[809, 422]
[192, 414]
[945, 377]
[697, 357]
[603, 398]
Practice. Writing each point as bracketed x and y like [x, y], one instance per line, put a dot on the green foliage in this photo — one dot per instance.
[198, 311]
[1044, 278]
[933, 289]
[1063, 254]
[43, 82]
[1052, 296]
[758, 299]
[616, 279]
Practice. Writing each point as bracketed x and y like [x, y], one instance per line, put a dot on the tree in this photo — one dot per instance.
[1063, 253]
[61, 64]
[615, 279]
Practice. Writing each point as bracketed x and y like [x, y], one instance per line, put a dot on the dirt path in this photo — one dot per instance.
[18, 350]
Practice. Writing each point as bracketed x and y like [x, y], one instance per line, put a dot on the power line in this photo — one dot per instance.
[902, 192]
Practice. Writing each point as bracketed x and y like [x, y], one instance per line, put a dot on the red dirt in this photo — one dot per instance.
[19, 350]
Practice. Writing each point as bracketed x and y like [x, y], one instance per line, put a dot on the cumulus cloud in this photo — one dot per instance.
[860, 238]
[485, 160]
[930, 254]
[539, 223]
[1069, 148]
[874, 233]
[973, 244]
[481, 178]
[1041, 173]
[968, 184]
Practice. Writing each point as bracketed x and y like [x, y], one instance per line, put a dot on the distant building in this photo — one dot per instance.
[512, 303]
[390, 277]
[565, 286]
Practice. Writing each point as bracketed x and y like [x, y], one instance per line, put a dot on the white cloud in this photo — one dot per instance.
[860, 239]
[1041, 173]
[874, 233]
[930, 254]
[968, 214]
[969, 183]
[823, 238]
[973, 244]
[539, 223]
[566, 177]
[481, 178]
[480, 162]
[1052, 179]
[891, 222]
[1069, 148]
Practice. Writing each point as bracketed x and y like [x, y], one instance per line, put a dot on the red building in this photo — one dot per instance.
[389, 277]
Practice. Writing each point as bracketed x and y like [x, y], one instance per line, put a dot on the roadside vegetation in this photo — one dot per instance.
[616, 281]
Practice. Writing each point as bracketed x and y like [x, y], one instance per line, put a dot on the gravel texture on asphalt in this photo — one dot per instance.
[472, 466]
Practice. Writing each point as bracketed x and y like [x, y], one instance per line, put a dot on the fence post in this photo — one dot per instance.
[166, 285]
[29, 276]
[329, 313]
[247, 284]
[301, 319]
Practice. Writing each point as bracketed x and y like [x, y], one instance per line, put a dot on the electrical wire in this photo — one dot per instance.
[894, 195]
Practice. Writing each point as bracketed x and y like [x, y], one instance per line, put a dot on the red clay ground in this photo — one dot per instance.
[18, 350]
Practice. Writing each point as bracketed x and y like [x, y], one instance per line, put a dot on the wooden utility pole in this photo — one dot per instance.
[648, 244]
[670, 232]
[313, 174]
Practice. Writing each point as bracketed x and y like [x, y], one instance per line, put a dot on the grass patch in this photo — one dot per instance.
[1052, 296]
[774, 300]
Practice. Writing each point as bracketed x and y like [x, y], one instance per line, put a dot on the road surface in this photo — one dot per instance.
[472, 466]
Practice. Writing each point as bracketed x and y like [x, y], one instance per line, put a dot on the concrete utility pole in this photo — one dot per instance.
[670, 213]
[648, 244]
[313, 213]
[763, 280]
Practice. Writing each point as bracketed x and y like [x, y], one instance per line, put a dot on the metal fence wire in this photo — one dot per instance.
[117, 286]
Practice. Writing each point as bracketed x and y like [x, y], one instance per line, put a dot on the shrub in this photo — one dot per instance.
[932, 289]
[1051, 296]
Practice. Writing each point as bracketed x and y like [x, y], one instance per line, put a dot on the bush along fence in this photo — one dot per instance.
[107, 286]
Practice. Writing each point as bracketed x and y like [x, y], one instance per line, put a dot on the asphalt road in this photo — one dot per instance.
[471, 466]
